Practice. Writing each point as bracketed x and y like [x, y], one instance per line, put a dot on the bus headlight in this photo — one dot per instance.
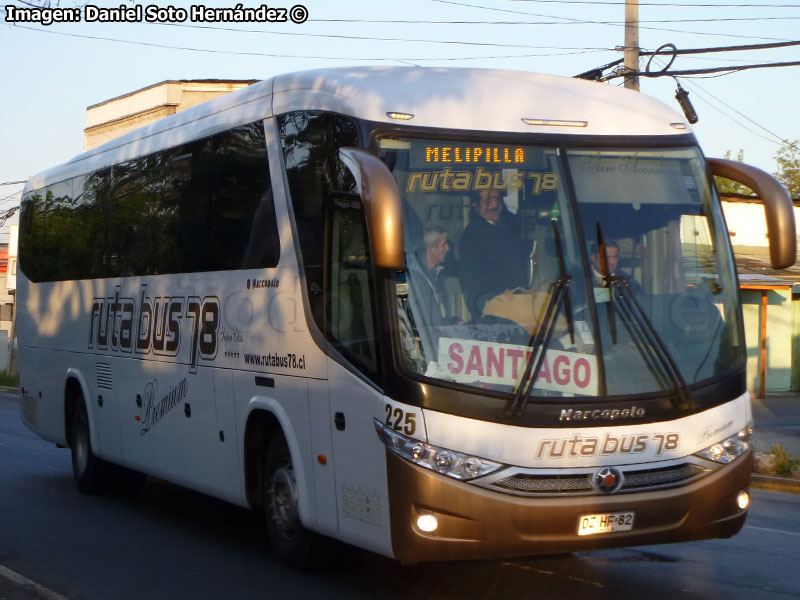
[442, 460]
[728, 450]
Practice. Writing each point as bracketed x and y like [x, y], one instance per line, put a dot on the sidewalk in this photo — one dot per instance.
[777, 421]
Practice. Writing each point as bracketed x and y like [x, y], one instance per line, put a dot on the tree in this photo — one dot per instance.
[788, 174]
[728, 186]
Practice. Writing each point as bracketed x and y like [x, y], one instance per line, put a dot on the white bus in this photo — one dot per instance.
[435, 313]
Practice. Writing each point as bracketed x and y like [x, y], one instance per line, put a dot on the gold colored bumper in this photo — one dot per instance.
[479, 523]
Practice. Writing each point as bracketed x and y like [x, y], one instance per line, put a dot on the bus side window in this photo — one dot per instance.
[242, 227]
[318, 183]
[350, 321]
[180, 213]
[63, 225]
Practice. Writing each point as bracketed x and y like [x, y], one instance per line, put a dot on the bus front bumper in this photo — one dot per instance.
[475, 523]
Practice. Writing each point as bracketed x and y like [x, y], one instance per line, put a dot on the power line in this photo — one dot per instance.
[715, 20]
[701, 91]
[8, 199]
[464, 4]
[505, 23]
[14, 182]
[741, 47]
[716, 107]
[597, 72]
[369, 38]
[327, 57]
[725, 60]
[569, 21]
[667, 4]
[482, 23]
[685, 72]
[6, 215]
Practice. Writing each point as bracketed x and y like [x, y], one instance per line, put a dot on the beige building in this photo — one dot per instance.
[112, 118]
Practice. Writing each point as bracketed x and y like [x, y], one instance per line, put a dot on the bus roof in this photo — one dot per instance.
[476, 99]
[449, 98]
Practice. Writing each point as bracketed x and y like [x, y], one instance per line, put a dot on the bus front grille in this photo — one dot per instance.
[635, 480]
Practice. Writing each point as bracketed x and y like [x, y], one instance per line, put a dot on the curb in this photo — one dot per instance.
[775, 484]
[9, 390]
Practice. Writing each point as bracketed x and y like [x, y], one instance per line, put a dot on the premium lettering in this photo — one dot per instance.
[154, 409]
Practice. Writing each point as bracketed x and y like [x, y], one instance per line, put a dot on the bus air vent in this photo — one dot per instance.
[104, 380]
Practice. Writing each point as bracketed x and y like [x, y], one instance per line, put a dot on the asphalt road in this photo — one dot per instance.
[168, 542]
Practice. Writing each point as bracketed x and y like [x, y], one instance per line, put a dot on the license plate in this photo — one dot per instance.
[605, 523]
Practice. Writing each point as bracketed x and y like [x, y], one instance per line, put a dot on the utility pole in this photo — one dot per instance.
[631, 57]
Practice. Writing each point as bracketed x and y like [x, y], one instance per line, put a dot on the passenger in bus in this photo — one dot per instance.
[493, 255]
[426, 284]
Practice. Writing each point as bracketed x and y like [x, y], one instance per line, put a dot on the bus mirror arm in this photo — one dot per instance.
[777, 206]
[382, 205]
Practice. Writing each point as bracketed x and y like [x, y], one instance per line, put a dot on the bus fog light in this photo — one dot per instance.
[743, 500]
[427, 523]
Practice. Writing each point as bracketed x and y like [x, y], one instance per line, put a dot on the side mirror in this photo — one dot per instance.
[777, 206]
[383, 206]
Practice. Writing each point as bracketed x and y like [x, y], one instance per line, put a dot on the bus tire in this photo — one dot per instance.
[88, 470]
[291, 543]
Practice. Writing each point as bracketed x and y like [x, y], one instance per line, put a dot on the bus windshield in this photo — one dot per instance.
[584, 271]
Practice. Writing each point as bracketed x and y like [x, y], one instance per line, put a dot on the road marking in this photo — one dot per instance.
[548, 572]
[39, 589]
[771, 530]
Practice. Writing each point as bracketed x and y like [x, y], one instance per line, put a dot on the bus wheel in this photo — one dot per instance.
[291, 543]
[89, 471]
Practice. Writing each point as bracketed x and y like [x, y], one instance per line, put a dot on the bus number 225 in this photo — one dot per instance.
[398, 420]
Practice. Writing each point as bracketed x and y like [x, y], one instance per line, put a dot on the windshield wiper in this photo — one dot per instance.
[640, 325]
[540, 340]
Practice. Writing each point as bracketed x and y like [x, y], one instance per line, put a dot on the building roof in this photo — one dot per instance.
[178, 81]
[753, 264]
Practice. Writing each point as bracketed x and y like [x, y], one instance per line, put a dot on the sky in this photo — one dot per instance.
[52, 73]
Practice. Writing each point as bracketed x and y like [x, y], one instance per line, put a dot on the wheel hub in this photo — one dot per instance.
[81, 451]
[283, 501]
